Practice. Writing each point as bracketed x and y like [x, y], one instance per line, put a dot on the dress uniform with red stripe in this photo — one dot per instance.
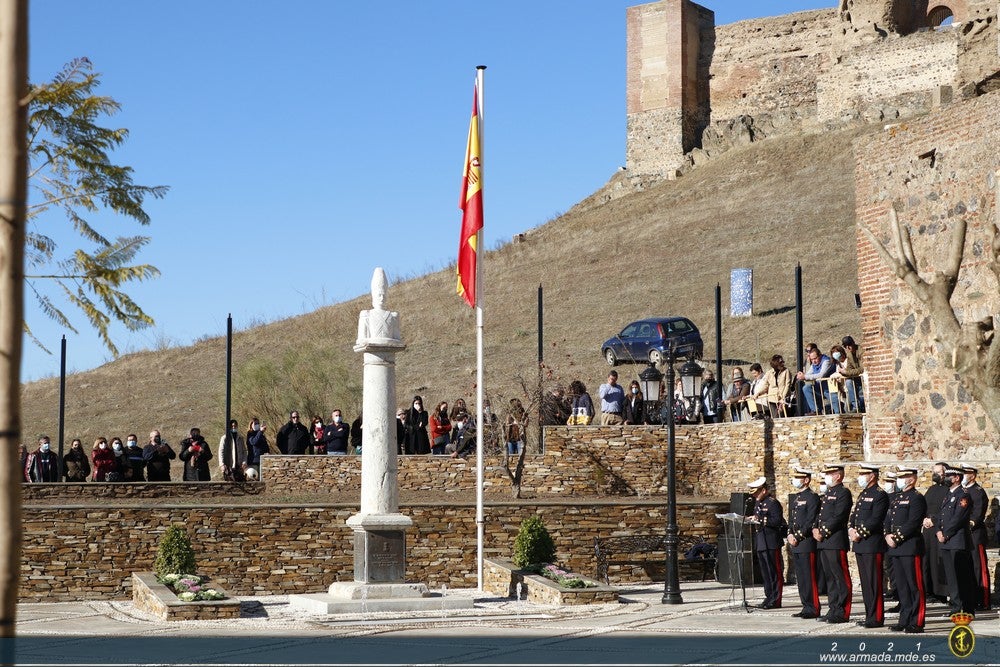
[802, 512]
[903, 521]
[977, 527]
[769, 536]
[867, 541]
[956, 545]
[831, 545]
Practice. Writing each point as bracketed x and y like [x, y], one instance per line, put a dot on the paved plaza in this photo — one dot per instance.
[710, 627]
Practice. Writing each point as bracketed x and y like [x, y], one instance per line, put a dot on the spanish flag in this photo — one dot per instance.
[471, 203]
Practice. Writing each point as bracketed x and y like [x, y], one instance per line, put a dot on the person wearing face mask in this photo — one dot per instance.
[76, 465]
[257, 444]
[803, 508]
[888, 485]
[440, 424]
[157, 454]
[336, 435]
[977, 528]
[118, 473]
[103, 460]
[711, 395]
[42, 465]
[316, 434]
[770, 528]
[902, 535]
[134, 463]
[955, 538]
[635, 406]
[830, 533]
[852, 371]
[776, 386]
[294, 438]
[415, 425]
[233, 454]
[933, 567]
[196, 455]
[736, 395]
[865, 531]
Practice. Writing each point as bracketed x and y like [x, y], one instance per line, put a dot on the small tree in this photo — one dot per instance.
[174, 554]
[533, 545]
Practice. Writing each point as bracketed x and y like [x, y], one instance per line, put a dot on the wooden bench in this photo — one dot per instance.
[646, 550]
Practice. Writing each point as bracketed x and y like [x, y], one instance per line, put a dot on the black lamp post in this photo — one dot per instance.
[649, 382]
[691, 386]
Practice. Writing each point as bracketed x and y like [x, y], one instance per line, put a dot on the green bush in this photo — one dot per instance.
[174, 555]
[533, 544]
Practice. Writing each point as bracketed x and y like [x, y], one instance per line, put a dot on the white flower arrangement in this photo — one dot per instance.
[188, 587]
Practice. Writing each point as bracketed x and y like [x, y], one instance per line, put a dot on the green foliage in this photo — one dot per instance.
[71, 175]
[174, 555]
[311, 378]
[533, 544]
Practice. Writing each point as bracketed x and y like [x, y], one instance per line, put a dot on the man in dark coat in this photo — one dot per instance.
[802, 511]
[134, 463]
[196, 455]
[902, 535]
[43, 464]
[933, 572]
[831, 544]
[865, 531]
[977, 528]
[769, 535]
[956, 545]
[157, 455]
[293, 438]
[336, 435]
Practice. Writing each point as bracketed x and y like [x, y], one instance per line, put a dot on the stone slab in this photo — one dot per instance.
[354, 590]
[324, 603]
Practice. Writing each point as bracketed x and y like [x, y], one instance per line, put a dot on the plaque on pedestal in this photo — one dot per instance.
[379, 556]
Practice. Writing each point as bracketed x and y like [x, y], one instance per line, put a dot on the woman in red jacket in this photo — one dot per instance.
[103, 458]
[440, 428]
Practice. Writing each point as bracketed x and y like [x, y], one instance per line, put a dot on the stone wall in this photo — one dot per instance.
[933, 171]
[69, 492]
[80, 552]
[579, 461]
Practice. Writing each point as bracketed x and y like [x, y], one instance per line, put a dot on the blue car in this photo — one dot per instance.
[649, 340]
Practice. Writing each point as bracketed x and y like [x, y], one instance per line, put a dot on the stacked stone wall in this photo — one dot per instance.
[891, 78]
[79, 553]
[933, 171]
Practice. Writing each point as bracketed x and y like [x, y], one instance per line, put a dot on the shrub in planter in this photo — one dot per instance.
[533, 544]
[174, 553]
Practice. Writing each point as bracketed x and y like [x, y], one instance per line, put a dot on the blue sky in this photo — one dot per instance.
[307, 142]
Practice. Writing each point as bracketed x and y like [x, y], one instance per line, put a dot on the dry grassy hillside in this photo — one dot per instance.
[658, 252]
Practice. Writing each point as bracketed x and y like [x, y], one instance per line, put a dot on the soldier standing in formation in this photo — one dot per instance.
[865, 531]
[831, 544]
[933, 573]
[803, 510]
[956, 544]
[977, 527]
[902, 534]
[888, 485]
[769, 534]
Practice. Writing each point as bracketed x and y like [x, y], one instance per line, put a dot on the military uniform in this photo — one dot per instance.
[956, 550]
[769, 536]
[903, 524]
[831, 549]
[867, 520]
[803, 508]
[977, 527]
[933, 572]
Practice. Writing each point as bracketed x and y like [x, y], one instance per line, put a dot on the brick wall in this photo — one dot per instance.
[932, 170]
[79, 552]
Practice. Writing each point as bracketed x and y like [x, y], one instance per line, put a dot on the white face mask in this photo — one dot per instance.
[131, 443]
[889, 487]
[117, 446]
[862, 481]
[822, 488]
[45, 446]
[103, 445]
[416, 406]
[255, 427]
[900, 484]
[336, 420]
[837, 355]
[967, 481]
[797, 482]
[829, 480]
[635, 390]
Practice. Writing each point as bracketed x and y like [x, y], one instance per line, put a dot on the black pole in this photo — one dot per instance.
[229, 374]
[541, 360]
[671, 584]
[718, 341]
[800, 361]
[62, 405]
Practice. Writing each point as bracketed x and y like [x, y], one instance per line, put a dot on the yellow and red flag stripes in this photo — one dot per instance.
[471, 204]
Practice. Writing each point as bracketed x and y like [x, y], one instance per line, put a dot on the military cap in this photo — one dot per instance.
[799, 471]
[952, 470]
[967, 468]
[905, 471]
[889, 475]
[833, 467]
[869, 467]
[757, 483]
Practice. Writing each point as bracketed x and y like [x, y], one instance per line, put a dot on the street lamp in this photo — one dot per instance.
[691, 374]
[649, 383]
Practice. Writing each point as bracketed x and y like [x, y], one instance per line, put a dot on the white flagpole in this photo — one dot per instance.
[480, 425]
